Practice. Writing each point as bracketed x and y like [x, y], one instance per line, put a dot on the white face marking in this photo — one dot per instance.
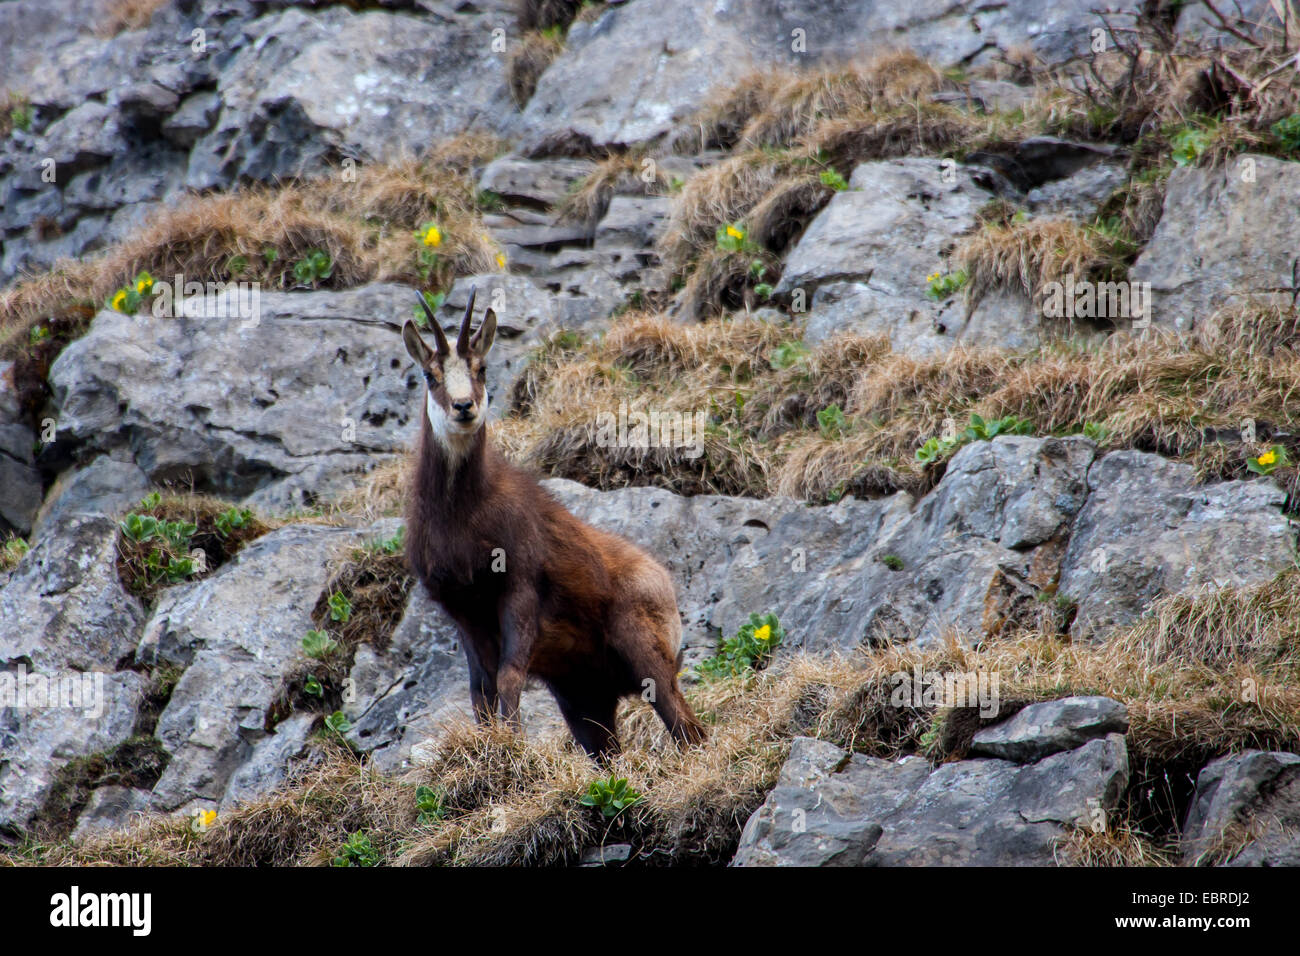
[457, 383]
[453, 435]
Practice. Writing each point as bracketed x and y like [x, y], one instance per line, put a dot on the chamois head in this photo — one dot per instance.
[456, 397]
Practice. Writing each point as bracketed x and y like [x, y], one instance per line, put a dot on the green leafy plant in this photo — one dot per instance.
[940, 286]
[357, 851]
[1269, 462]
[38, 334]
[611, 796]
[831, 422]
[312, 687]
[834, 180]
[787, 354]
[20, 117]
[236, 265]
[167, 559]
[748, 651]
[937, 448]
[428, 802]
[12, 551]
[733, 238]
[391, 545]
[233, 519]
[338, 723]
[435, 301]
[127, 300]
[892, 561]
[315, 267]
[318, 644]
[430, 239]
[340, 607]
[1287, 133]
[488, 201]
[1189, 143]
[1096, 431]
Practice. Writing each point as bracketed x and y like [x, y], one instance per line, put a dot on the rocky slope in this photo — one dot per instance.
[1082, 537]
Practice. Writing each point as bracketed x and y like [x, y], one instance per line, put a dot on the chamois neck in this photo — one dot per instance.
[448, 476]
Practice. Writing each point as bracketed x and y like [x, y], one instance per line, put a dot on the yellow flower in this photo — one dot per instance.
[119, 300]
[208, 817]
[1268, 457]
[735, 233]
[501, 260]
[433, 236]
[763, 633]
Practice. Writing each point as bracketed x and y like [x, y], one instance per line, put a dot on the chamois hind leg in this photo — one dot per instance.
[649, 653]
[590, 720]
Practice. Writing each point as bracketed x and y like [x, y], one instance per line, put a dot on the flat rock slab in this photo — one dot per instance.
[832, 808]
[1220, 238]
[1250, 798]
[1147, 529]
[1052, 726]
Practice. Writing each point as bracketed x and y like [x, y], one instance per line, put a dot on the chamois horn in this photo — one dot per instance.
[434, 325]
[462, 343]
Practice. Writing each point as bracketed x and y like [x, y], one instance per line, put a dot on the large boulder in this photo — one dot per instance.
[657, 61]
[313, 389]
[64, 607]
[833, 808]
[107, 486]
[20, 482]
[1246, 811]
[309, 88]
[238, 635]
[1148, 529]
[1220, 239]
[863, 263]
[970, 557]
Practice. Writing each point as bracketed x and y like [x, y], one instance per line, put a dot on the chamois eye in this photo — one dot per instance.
[430, 379]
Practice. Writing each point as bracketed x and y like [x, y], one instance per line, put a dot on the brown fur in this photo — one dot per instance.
[588, 613]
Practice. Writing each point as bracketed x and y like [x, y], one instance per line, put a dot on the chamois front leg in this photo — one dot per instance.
[519, 623]
[482, 685]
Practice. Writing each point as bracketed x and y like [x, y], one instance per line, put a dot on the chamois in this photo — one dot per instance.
[533, 590]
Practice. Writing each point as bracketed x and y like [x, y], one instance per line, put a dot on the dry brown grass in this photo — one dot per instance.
[546, 14]
[1024, 256]
[1148, 80]
[514, 801]
[528, 61]
[122, 15]
[775, 108]
[366, 226]
[1156, 393]
[633, 172]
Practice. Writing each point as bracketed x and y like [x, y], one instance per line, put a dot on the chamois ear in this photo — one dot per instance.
[481, 343]
[415, 345]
